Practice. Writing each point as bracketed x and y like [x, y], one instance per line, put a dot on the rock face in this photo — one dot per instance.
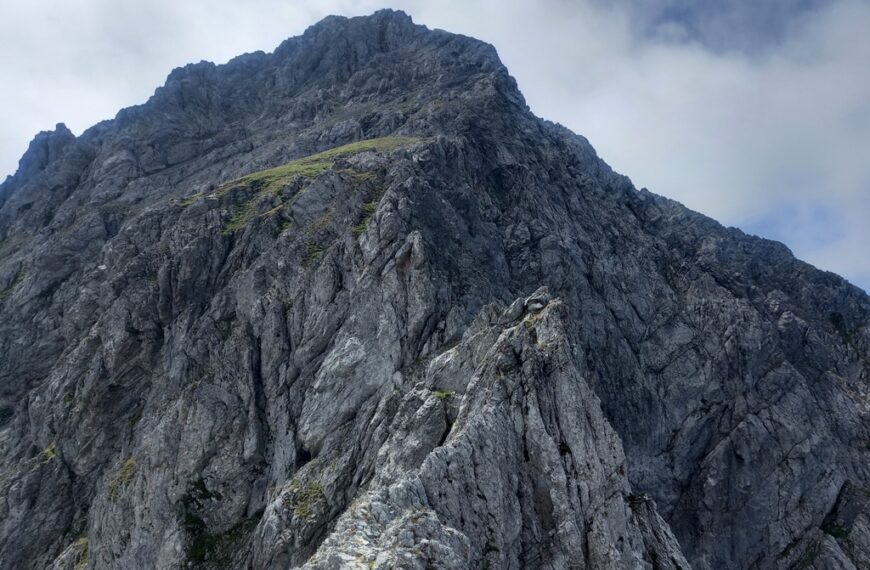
[351, 305]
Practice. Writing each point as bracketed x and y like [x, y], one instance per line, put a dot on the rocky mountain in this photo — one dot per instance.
[352, 305]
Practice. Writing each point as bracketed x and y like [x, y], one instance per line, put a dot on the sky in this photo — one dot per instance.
[754, 112]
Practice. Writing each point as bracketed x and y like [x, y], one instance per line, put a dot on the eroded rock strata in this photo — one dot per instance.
[351, 305]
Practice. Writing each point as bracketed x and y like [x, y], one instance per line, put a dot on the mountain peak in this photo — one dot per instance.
[45, 147]
[351, 302]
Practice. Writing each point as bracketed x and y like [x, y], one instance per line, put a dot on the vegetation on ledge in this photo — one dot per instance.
[121, 479]
[82, 553]
[441, 394]
[272, 179]
[303, 498]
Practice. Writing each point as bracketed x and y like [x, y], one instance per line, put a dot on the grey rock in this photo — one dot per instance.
[466, 342]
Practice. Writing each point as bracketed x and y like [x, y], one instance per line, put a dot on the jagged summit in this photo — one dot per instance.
[351, 305]
[383, 74]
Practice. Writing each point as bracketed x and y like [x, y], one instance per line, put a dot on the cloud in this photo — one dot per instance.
[747, 26]
[757, 114]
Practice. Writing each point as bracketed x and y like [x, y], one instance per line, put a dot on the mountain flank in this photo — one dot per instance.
[352, 305]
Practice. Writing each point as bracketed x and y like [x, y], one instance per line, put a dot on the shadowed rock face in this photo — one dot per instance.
[351, 304]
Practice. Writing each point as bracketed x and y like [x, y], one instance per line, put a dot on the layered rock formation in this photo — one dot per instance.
[351, 305]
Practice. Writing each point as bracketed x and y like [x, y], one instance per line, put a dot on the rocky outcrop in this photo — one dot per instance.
[498, 456]
[350, 304]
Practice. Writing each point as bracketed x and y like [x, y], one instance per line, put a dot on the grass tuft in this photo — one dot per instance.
[313, 253]
[368, 210]
[302, 499]
[46, 455]
[273, 179]
[81, 548]
[122, 478]
[188, 201]
[273, 211]
[240, 216]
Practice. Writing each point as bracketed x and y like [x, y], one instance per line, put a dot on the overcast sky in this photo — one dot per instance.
[755, 112]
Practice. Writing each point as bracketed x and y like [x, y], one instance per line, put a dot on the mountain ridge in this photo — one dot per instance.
[479, 346]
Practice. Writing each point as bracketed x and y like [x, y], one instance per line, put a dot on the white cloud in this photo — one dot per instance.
[774, 141]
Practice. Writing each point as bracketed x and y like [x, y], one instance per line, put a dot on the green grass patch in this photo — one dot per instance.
[359, 229]
[441, 394]
[81, 549]
[273, 211]
[273, 179]
[122, 478]
[313, 253]
[187, 202]
[240, 216]
[46, 455]
[368, 210]
[302, 499]
[360, 177]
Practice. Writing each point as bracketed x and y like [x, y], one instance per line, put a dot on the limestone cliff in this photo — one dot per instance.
[351, 305]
